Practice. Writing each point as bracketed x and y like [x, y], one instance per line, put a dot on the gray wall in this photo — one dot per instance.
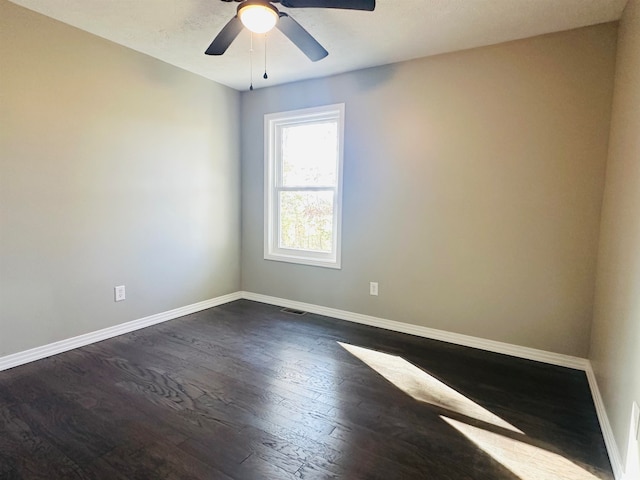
[615, 345]
[115, 168]
[472, 189]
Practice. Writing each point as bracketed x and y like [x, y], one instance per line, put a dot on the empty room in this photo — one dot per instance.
[317, 239]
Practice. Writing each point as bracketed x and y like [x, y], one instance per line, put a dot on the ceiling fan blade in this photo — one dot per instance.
[368, 5]
[301, 38]
[227, 35]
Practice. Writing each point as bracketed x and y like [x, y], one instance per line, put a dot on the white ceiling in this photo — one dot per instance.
[179, 31]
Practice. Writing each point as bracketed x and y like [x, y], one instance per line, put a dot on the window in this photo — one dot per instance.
[303, 185]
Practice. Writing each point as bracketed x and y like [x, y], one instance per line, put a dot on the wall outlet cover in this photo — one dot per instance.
[119, 293]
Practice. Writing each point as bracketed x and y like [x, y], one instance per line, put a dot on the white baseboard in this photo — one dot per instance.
[20, 358]
[605, 426]
[37, 353]
[578, 363]
[426, 332]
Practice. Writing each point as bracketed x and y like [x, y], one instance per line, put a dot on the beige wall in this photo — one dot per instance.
[115, 168]
[615, 345]
[473, 185]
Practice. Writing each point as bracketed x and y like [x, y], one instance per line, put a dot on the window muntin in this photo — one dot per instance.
[303, 185]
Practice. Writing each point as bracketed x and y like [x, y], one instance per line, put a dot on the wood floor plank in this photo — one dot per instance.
[245, 391]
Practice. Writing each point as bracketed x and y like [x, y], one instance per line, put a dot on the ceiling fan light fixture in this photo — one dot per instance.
[258, 16]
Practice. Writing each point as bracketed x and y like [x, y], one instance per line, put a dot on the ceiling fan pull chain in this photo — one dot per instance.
[265, 76]
[251, 62]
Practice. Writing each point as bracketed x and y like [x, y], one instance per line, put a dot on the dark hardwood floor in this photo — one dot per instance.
[244, 391]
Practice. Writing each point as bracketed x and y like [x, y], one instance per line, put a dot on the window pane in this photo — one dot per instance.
[306, 220]
[310, 154]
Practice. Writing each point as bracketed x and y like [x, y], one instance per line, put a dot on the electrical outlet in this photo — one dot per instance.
[373, 288]
[119, 293]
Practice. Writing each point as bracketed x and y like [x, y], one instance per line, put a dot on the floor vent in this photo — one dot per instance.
[293, 311]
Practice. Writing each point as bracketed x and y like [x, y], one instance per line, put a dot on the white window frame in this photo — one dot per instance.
[272, 124]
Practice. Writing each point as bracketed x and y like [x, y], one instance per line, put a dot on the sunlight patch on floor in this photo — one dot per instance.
[526, 461]
[423, 387]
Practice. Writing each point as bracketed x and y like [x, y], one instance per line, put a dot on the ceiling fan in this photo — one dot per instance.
[260, 16]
